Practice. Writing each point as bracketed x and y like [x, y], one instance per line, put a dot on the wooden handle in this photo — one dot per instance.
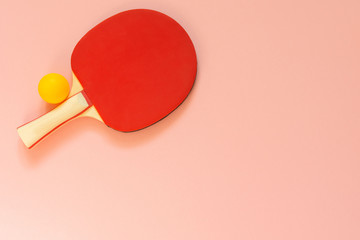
[31, 133]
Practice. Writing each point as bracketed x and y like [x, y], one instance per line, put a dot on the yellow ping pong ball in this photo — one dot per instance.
[53, 88]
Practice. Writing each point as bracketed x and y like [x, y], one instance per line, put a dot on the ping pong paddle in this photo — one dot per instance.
[129, 71]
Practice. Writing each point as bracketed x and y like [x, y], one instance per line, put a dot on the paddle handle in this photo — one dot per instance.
[32, 132]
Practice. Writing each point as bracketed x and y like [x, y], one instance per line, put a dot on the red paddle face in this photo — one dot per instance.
[136, 67]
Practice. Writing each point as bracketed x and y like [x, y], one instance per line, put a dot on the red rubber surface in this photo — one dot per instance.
[136, 67]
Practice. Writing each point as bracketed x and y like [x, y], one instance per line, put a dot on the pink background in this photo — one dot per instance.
[267, 146]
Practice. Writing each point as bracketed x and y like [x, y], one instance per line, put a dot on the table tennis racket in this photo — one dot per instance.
[129, 71]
